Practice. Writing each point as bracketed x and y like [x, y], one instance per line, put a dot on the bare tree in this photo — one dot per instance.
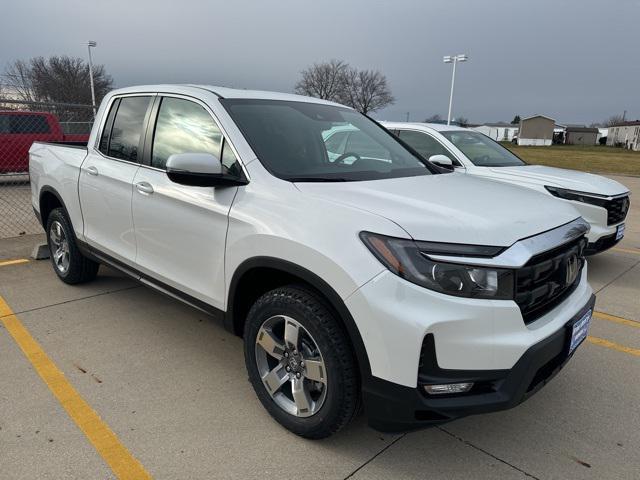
[613, 120]
[326, 80]
[367, 90]
[18, 77]
[462, 121]
[433, 119]
[57, 79]
[335, 80]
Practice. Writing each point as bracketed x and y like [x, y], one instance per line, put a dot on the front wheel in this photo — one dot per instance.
[300, 362]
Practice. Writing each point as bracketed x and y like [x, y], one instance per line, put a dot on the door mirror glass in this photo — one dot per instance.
[441, 161]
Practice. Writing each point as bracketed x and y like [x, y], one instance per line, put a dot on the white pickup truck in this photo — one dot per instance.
[370, 278]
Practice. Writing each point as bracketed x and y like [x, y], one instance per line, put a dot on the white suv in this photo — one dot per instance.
[370, 277]
[601, 201]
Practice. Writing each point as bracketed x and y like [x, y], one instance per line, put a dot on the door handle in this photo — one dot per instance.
[144, 188]
[92, 170]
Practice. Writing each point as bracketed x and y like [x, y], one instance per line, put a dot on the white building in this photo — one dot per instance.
[500, 132]
[602, 132]
[626, 135]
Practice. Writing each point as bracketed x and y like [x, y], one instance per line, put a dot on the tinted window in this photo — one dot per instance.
[288, 138]
[18, 124]
[360, 142]
[106, 132]
[230, 163]
[127, 128]
[425, 145]
[183, 127]
[482, 150]
[335, 142]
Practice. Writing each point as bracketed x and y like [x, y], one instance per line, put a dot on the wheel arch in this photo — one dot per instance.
[257, 275]
[48, 201]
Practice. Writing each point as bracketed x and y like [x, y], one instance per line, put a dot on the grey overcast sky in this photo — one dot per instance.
[575, 60]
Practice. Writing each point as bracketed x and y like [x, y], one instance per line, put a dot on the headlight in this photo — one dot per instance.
[409, 260]
[584, 197]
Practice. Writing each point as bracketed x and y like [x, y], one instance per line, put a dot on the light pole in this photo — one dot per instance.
[90, 44]
[453, 59]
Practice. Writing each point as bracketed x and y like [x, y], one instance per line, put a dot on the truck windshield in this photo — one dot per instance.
[310, 142]
[481, 150]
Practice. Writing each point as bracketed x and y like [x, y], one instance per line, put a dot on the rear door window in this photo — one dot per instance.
[126, 134]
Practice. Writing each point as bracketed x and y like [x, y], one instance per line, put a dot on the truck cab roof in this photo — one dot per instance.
[221, 92]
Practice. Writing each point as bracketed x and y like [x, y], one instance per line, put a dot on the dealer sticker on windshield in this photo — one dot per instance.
[620, 232]
[579, 331]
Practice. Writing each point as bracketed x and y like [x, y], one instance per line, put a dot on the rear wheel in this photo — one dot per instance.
[300, 362]
[69, 264]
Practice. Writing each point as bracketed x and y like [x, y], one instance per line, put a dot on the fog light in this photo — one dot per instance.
[448, 388]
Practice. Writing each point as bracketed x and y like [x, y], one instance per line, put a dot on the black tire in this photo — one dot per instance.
[342, 398]
[80, 269]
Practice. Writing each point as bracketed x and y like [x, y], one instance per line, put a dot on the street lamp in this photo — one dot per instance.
[453, 59]
[90, 44]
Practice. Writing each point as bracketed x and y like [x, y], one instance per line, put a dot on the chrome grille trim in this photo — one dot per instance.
[523, 250]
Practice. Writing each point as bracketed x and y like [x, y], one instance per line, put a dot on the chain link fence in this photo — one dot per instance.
[21, 124]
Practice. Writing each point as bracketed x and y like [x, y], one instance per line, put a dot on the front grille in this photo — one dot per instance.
[617, 210]
[542, 283]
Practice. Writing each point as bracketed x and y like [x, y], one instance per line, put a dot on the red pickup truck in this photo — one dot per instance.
[18, 130]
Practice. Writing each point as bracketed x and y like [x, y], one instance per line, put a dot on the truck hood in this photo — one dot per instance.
[455, 208]
[556, 177]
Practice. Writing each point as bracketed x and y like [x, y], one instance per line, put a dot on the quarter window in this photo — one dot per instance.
[230, 163]
[185, 127]
[128, 125]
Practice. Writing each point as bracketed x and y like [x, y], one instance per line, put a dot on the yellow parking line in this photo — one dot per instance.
[613, 318]
[614, 346]
[626, 250]
[13, 262]
[121, 461]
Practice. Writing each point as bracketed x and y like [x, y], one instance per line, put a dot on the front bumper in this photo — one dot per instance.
[391, 407]
[602, 244]
[601, 236]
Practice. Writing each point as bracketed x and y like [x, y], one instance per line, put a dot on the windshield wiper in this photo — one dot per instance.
[319, 179]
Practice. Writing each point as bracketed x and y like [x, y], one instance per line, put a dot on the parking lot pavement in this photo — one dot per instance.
[170, 383]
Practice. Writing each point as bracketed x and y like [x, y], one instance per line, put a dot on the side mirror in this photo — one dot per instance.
[442, 161]
[199, 170]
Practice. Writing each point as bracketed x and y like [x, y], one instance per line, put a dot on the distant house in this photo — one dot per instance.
[603, 132]
[500, 132]
[625, 134]
[581, 135]
[536, 130]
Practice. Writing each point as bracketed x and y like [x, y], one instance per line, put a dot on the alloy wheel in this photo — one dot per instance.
[291, 366]
[59, 247]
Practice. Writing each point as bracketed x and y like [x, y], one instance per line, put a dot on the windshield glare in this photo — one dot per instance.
[481, 150]
[299, 141]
